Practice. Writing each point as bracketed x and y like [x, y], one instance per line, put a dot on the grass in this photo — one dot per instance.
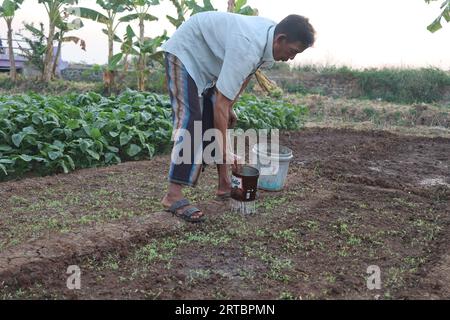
[311, 225]
[330, 278]
[71, 211]
[198, 275]
[277, 266]
[88, 81]
[212, 238]
[289, 235]
[151, 253]
[57, 87]
[273, 268]
[387, 84]
[291, 240]
[395, 277]
[287, 296]
[403, 86]
[416, 119]
[271, 203]
[58, 209]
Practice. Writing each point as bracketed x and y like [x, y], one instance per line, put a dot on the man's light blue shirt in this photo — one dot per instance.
[223, 49]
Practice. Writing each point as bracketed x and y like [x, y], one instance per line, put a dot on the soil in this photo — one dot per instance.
[352, 199]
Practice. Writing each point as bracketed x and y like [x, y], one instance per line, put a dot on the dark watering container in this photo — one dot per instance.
[244, 185]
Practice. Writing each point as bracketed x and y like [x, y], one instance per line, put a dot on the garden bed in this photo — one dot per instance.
[353, 199]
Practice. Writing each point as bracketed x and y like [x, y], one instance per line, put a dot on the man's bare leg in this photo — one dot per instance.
[224, 179]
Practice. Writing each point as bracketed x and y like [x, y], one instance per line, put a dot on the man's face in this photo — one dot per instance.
[284, 50]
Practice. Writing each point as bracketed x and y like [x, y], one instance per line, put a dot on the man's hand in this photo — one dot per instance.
[232, 120]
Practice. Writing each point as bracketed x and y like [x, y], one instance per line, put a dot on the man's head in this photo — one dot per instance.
[293, 35]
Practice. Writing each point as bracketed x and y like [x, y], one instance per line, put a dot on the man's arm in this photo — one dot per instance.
[233, 118]
[244, 86]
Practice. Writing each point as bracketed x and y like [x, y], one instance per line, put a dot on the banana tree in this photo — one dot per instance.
[196, 8]
[55, 9]
[146, 49]
[127, 49]
[241, 7]
[150, 47]
[65, 27]
[184, 7]
[182, 10]
[110, 19]
[436, 25]
[36, 47]
[141, 13]
[8, 11]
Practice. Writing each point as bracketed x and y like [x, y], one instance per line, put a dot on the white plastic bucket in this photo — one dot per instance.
[273, 165]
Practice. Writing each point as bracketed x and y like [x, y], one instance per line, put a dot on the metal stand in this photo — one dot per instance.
[245, 208]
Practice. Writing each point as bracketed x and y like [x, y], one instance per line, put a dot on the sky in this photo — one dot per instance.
[355, 33]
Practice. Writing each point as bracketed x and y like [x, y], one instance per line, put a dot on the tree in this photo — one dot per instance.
[36, 46]
[182, 10]
[436, 24]
[55, 9]
[8, 11]
[196, 8]
[112, 9]
[140, 8]
[127, 48]
[65, 27]
[241, 7]
[145, 50]
[231, 5]
[190, 7]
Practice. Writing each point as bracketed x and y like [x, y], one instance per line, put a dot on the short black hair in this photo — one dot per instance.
[297, 28]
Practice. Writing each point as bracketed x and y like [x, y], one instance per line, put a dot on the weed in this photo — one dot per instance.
[287, 296]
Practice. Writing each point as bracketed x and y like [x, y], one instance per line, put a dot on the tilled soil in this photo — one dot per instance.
[353, 199]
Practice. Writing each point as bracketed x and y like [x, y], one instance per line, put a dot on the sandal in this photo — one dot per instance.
[186, 214]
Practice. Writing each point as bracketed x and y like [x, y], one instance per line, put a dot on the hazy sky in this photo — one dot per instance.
[358, 33]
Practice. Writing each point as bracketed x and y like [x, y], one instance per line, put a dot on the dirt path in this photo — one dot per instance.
[353, 199]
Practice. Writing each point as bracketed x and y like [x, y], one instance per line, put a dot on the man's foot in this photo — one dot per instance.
[168, 202]
[223, 194]
[224, 189]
